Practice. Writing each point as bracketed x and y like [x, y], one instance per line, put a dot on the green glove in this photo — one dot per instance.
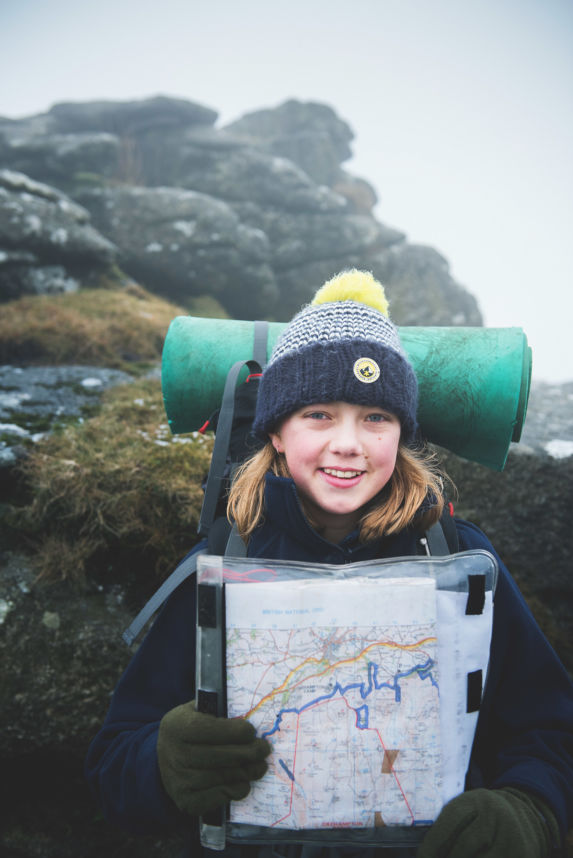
[496, 823]
[206, 761]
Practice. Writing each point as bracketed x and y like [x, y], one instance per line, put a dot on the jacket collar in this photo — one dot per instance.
[284, 509]
[287, 534]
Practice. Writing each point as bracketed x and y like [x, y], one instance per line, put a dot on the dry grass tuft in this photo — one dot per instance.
[115, 489]
[101, 327]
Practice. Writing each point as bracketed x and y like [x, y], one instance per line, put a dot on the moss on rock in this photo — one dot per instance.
[114, 495]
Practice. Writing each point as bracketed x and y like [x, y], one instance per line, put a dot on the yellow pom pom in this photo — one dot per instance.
[353, 285]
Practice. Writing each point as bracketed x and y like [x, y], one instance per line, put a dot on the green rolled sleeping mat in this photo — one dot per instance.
[473, 382]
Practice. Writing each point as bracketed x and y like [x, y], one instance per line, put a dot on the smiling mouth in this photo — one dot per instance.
[342, 475]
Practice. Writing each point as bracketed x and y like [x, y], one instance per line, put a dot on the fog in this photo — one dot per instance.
[462, 114]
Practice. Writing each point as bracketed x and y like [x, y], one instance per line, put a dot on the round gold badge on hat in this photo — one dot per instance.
[366, 370]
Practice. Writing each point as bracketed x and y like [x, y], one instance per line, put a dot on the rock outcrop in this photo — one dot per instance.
[47, 243]
[176, 241]
[34, 399]
[256, 213]
[310, 135]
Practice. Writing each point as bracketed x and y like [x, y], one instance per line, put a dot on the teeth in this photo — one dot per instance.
[345, 475]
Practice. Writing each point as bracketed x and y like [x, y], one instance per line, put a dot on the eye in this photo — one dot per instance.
[376, 417]
[316, 415]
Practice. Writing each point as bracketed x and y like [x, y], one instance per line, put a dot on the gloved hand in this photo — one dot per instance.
[492, 823]
[206, 761]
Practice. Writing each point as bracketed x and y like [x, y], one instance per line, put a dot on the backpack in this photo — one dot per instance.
[234, 443]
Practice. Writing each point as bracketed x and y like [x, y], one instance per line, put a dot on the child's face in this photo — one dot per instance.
[339, 456]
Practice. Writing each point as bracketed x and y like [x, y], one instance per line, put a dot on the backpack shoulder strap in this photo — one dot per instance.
[235, 547]
[449, 527]
[186, 568]
[442, 537]
[221, 446]
[225, 426]
[224, 539]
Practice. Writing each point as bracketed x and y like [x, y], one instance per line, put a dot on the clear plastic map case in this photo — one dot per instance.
[366, 679]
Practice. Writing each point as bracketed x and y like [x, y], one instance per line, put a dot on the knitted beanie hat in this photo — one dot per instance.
[341, 347]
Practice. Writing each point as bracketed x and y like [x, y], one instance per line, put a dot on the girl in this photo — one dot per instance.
[339, 480]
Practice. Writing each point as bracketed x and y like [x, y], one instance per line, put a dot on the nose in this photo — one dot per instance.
[345, 440]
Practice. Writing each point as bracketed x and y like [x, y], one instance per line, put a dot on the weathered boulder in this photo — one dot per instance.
[312, 136]
[300, 237]
[55, 692]
[47, 243]
[91, 142]
[34, 399]
[182, 243]
[230, 169]
[406, 270]
[64, 160]
[129, 117]
[307, 133]
[61, 657]
[548, 428]
[435, 299]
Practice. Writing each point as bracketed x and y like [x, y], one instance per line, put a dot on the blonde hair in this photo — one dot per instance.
[394, 508]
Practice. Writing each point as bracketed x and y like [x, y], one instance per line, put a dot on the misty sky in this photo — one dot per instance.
[462, 112]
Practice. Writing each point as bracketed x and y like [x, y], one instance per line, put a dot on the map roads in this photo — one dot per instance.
[342, 678]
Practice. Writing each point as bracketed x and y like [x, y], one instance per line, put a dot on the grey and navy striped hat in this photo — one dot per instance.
[341, 347]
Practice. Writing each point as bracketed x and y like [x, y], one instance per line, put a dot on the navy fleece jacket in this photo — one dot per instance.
[524, 734]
